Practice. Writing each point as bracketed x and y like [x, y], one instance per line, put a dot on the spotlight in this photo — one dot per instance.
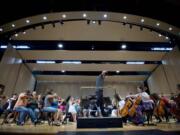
[84, 15]
[1, 29]
[170, 29]
[167, 37]
[92, 48]
[63, 16]
[124, 17]
[105, 15]
[13, 25]
[142, 20]
[157, 24]
[24, 32]
[159, 35]
[117, 71]
[27, 21]
[44, 17]
[60, 45]
[123, 46]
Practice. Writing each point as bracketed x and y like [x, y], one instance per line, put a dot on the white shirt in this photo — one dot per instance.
[121, 104]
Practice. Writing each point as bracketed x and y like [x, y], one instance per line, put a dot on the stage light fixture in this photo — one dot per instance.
[157, 24]
[13, 25]
[84, 15]
[64, 16]
[170, 28]
[27, 21]
[124, 17]
[142, 20]
[159, 35]
[105, 15]
[44, 17]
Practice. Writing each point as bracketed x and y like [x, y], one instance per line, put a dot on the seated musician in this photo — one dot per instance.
[21, 108]
[9, 111]
[72, 109]
[33, 104]
[48, 107]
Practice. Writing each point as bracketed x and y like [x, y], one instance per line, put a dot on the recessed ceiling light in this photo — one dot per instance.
[157, 24]
[84, 15]
[117, 71]
[24, 32]
[60, 45]
[167, 37]
[1, 29]
[159, 35]
[63, 16]
[124, 17]
[27, 21]
[63, 71]
[13, 25]
[142, 20]
[170, 28]
[105, 15]
[44, 17]
[123, 46]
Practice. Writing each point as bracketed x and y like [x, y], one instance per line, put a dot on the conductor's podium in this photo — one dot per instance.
[104, 122]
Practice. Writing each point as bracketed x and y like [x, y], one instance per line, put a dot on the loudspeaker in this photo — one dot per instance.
[105, 122]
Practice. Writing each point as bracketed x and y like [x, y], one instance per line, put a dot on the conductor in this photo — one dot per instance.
[99, 91]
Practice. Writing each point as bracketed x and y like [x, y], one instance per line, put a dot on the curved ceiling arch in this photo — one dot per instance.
[29, 22]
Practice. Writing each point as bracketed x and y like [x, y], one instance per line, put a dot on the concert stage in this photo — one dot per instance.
[71, 129]
[95, 122]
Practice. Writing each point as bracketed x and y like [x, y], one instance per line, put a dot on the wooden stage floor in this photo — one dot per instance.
[70, 129]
